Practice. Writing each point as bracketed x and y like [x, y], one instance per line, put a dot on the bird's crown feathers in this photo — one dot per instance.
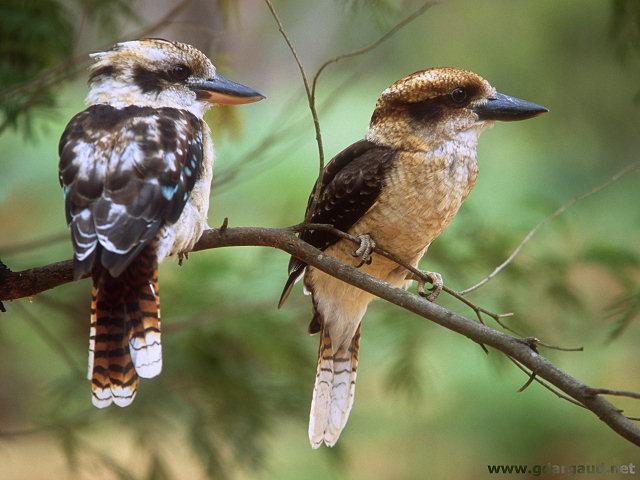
[435, 82]
[151, 55]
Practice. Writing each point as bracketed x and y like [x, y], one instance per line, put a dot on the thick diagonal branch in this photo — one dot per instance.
[36, 280]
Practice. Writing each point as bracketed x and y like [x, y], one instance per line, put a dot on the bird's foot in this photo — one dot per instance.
[435, 279]
[182, 256]
[364, 250]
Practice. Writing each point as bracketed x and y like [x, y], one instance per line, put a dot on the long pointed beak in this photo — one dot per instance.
[506, 108]
[223, 91]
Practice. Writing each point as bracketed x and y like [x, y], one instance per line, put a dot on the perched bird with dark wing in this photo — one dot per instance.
[136, 168]
[398, 188]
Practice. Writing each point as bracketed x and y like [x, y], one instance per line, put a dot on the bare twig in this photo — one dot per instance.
[312, 105]
[411, 17]
[608, 182]
[288, 130]
[531, 379]
[562, 349]
[544, 384]
[29, 282]
[419, 274]
[514, 348]
[619, 393]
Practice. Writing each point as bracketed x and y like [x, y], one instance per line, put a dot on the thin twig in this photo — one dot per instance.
[544, 384]
[373, 45]
[608, 182]
[531, 379]
[286, 124]
[312, 106]
[562, 349]
[619, 393]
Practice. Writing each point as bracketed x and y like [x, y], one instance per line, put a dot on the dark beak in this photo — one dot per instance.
[506, 108]
[224, 91]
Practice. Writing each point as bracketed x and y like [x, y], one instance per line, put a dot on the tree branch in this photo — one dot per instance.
[14, 285]
[29, 282]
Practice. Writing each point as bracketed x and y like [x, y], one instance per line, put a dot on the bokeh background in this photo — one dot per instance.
[233, 398]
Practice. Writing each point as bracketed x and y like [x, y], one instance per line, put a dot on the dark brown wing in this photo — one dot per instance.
[351, 184]
[125, 172]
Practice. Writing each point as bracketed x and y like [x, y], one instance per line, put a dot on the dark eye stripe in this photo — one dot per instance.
[104, 71]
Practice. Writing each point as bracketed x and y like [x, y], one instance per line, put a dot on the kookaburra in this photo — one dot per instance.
[136, 171]
[399, 187]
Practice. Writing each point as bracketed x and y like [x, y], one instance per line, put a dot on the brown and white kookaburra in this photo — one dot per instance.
[398, 188]
[136, 167]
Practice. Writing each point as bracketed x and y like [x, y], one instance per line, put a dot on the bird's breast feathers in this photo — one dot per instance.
[421, 195]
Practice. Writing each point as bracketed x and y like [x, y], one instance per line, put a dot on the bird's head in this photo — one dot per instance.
[159, 73]
[430, 107]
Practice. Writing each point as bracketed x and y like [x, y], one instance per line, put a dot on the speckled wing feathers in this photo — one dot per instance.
[125, 172]
[351, 184]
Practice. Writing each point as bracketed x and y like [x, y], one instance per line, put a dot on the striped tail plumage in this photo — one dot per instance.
[124, 341]
[334, 388]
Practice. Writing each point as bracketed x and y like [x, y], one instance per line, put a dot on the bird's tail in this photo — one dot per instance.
[124, 341]
[334, 389]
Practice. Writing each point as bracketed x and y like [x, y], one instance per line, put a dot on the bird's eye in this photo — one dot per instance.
[459, 95]
[180, 72]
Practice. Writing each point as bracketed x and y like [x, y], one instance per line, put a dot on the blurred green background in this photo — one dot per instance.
[233, 398]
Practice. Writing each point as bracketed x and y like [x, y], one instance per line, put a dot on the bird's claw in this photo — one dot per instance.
[364, 250]
[434, 291]
[182, 256]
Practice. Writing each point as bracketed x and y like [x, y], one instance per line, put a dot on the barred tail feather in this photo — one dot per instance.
[92, 330]
[334, 389]
[113, 378]
[125, 330]
[145, 343]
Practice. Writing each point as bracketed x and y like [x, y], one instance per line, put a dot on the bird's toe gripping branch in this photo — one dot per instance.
[435, 279]
[364, 250]
[181, 257]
